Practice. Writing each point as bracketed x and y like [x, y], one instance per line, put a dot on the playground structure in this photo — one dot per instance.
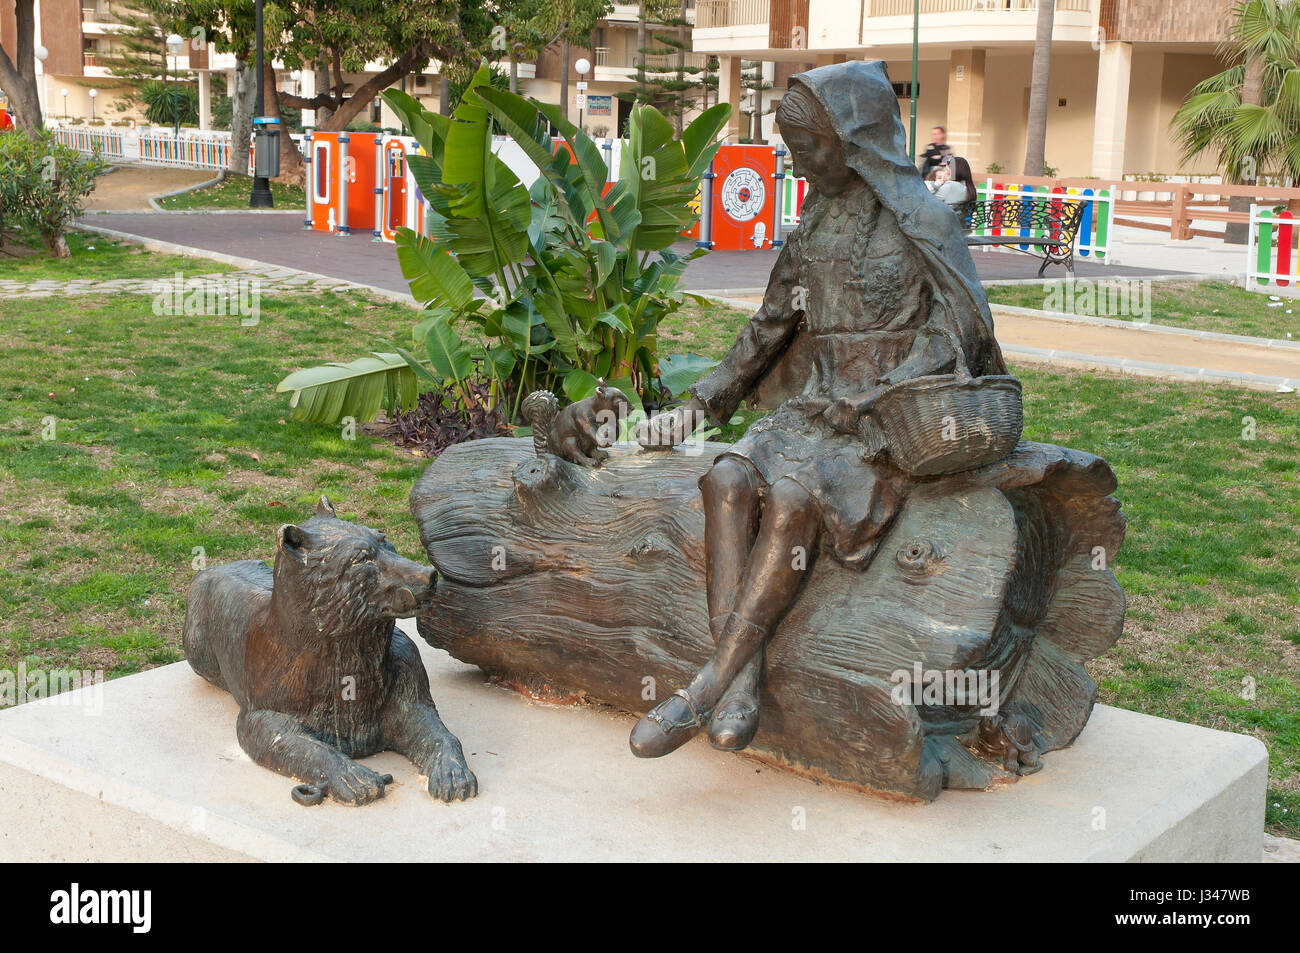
[361, 180]
[747, 200]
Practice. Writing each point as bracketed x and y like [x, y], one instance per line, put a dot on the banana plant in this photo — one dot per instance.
[553, 286]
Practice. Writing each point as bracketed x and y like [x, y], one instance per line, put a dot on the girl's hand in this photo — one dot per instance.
[664, 431]
[845, 414]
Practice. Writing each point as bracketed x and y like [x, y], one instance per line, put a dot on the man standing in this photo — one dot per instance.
[935, 152]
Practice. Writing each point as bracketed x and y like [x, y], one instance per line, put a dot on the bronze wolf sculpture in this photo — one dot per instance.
[311, 652]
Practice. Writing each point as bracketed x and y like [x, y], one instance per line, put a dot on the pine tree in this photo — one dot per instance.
[670, 85]
[139, 50]
[751, 78]
[709, 81]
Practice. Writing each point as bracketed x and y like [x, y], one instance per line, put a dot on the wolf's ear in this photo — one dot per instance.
[292, 539]
[324, 507]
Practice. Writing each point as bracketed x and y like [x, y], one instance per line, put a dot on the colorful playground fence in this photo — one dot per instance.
[109, 143]
[1095, 228]
[1270, 251]
[154, 146]
[194, 151]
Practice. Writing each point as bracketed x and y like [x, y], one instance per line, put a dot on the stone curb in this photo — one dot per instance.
[153, 199]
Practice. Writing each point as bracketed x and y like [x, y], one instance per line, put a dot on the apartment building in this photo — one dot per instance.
[1120, 68]
[81, 36]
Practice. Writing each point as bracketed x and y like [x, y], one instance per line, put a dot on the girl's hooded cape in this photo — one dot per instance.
[863, 108]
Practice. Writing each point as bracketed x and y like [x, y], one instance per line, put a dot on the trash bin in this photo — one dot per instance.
[266, 147]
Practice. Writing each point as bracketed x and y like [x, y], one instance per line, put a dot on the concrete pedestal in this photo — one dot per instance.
[157, 774]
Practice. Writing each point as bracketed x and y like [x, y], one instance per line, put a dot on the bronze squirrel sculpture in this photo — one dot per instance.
[323, 676]
[578, 432]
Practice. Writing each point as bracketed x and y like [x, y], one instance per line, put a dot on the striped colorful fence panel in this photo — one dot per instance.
[792, 195]
[89, 139]
[1095, 227]
[207, 151]
[1270, 253]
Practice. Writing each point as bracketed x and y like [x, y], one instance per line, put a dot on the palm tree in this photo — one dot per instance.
[1248, 116]
[1036, 129]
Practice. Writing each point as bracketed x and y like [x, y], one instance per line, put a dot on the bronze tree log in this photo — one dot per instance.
[591, 581]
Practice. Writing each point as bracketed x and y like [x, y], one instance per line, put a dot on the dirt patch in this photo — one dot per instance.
[130, 187]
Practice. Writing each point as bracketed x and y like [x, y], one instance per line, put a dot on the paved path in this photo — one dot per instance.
[1052, 339]
[270, 279]
[130, 187]
[1148, 344]
[281, 240]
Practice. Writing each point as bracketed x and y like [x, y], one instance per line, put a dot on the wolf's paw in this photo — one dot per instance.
[450, 778]
[353, 783]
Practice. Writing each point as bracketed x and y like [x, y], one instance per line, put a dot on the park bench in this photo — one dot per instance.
[1051, 222]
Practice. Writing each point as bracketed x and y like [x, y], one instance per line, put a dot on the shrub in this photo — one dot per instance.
[574, 278]
[43, 187]
[160, 100]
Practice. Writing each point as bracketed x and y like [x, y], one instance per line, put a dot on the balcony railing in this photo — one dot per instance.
[626, 59]
[98, 13]
[720, 13]
[898, 8]
[714, 13]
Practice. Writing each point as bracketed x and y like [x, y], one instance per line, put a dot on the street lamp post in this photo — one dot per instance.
[583, 68]
[174, 43]
[261, 194]
[94, 93]
[64, 94]
[916, 43]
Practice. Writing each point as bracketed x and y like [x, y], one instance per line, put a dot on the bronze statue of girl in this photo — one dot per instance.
[879, 278]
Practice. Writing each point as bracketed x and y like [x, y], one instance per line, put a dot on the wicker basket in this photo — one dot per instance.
[950, 422]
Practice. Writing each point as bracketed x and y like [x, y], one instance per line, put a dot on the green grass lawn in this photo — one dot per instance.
[232, 193]
[168, 437]
[1203, 305]
[102, 258]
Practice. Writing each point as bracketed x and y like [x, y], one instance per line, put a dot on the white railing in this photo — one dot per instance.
[152, 145]
[898, 8]
[98, 13]
[711, 13]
